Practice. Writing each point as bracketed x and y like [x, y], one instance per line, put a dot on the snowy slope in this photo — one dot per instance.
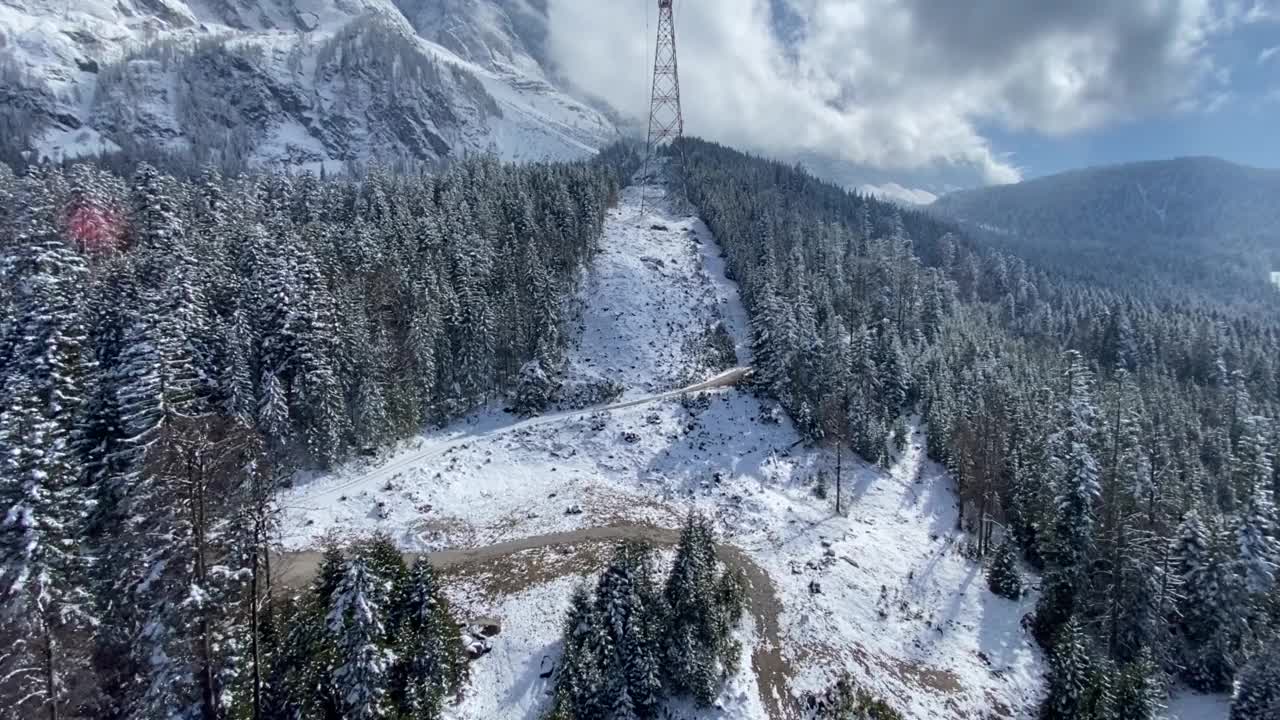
[261, 77]
[935, 642]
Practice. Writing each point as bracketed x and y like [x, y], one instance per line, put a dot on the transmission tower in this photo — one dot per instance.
[666, 122]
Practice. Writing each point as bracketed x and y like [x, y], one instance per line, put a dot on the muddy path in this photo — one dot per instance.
[771, 668]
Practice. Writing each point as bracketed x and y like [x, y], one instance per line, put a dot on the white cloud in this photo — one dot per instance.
[898, 84]
[1267, 54]
[896, 193]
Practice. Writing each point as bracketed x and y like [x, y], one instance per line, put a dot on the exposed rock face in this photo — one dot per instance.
[292, 82]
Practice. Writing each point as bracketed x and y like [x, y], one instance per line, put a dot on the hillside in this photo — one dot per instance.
[291, 82]
[884, 593]
[1191, 226]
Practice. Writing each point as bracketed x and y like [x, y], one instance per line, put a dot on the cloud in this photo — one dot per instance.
[1267, 54]
[896, 193]
[900, 84]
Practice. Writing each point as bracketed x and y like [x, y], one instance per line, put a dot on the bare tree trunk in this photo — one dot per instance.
[195, 480]
[50, 667]
[254, 650]
[839, 457]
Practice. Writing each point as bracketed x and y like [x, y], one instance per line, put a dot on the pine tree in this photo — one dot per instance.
[629, 606]
[43, 505]
[1077, 492]
[1256, 532]
[1003, 576]
[356, 622]
[1257, 695]
[429, 663]
[579, 679]
[1070, 670]
[533, 388]
[691, 641]
[1209, 625]
[1138, 694]
[1099, 697]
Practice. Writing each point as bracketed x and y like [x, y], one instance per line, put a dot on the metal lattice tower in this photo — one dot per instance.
[665, 120]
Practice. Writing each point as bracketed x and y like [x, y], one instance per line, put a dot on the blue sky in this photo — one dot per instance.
[1243, 128]
[935, 95]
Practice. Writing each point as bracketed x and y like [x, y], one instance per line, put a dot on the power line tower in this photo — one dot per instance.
[666, 121]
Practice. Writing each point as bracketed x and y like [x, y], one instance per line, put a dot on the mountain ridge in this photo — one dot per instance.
[289, 82]
[1198, 225]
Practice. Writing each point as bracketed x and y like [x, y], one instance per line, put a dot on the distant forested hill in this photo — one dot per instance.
[1190, 227]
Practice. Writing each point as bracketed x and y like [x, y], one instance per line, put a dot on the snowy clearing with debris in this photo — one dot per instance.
[884, 593]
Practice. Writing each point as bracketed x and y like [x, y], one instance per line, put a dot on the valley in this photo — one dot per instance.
[515, 511]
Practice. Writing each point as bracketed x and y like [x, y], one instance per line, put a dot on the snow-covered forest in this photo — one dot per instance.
[176, 353]
[172, 351]
[1123, 446]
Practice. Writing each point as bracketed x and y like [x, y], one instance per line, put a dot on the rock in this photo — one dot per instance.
[573, 510]
[815, 588]
[548, 667]
[487, 626]
[631, 437]
[478, 648]
[659, 227]
[829, 552]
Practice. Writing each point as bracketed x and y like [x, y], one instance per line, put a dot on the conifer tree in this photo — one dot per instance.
[356, 621]
[1003, 576]
[1257, 695]
[43, 504]
[1138, 692]
[1070, 670]
[429, 664]
[1077, 482]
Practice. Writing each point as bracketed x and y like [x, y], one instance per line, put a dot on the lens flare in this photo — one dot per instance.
[96, 230]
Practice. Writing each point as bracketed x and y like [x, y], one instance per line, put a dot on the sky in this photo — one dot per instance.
[917, 97]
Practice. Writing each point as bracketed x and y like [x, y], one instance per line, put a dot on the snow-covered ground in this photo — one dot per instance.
[55, 52]
[896, 604]
[1187, 705]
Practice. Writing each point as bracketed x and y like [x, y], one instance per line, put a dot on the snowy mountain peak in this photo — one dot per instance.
[292, 82]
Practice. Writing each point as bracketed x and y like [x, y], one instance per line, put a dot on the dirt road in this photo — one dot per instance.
[771, 668]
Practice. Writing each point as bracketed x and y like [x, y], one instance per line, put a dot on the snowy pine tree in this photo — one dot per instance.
[1003, 576]
[1070, 671]
[1257, 695]
[1256, 528]
[429, 664]
[1139, 695]
[1077, 485]
[356, 621]
[43, 505]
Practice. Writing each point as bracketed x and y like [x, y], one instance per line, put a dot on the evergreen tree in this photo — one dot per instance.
[696, 640]
[1138, 693]
[1078, 490]
[1256, 532]
[1070, 671]
[356, 622]
[429, 664]
[43, 505]
[1208, 608]
[1257, 695]
[1003, 576]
